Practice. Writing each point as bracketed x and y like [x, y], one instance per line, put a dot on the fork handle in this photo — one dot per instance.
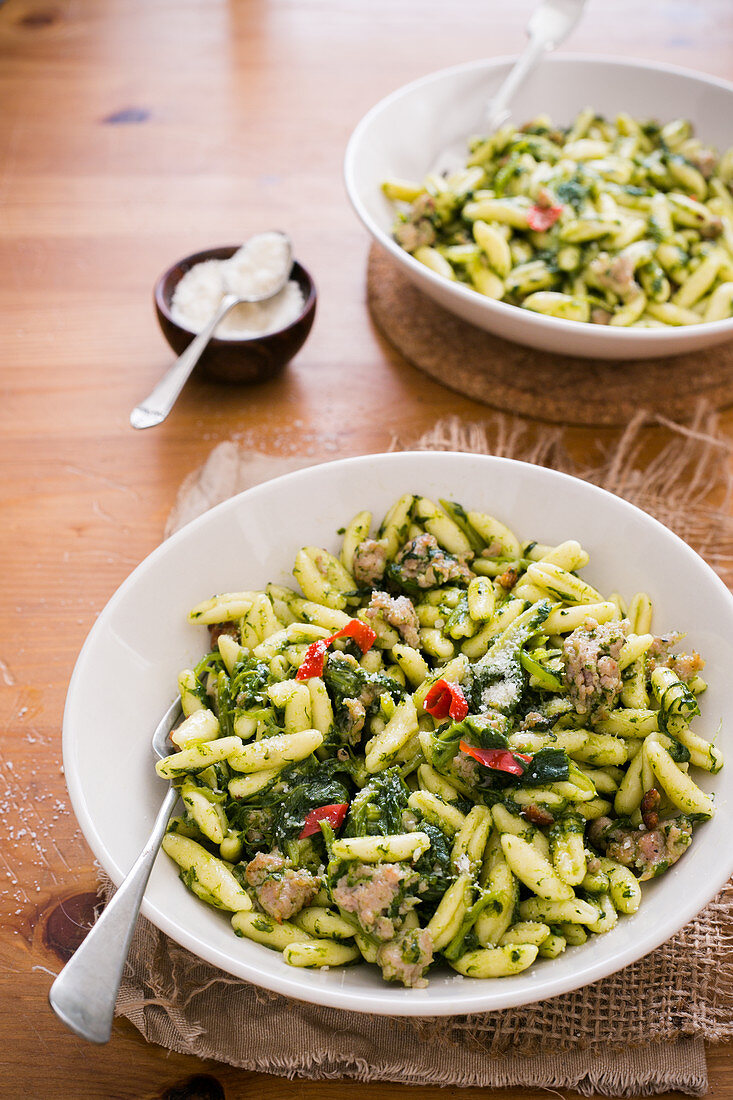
[498, 108]
[84, 994]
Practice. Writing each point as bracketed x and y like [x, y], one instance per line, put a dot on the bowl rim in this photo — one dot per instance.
[228, 341]
[465, 293]
[676, 916]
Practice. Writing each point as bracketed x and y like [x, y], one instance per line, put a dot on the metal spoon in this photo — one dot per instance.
[84, 994]
[549, 25]
[156, 406]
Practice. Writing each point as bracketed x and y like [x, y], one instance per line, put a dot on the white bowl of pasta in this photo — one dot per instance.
[590, 233]
[414, 766]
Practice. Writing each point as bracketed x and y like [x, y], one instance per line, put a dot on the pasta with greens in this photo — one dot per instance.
[624, 222]
[446, 746]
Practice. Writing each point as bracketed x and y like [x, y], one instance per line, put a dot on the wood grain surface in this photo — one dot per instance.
[133, 132]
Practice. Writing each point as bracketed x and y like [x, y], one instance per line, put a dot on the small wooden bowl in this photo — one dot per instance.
[236, 359]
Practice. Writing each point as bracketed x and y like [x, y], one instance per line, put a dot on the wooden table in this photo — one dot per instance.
[133, 132]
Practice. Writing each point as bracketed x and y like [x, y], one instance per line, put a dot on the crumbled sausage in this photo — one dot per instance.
[598, 830]
[369, 562]
[466, 768]
[423, 563]
[658, 651]
[406, 958]
[417, 230]
[371, 891]
[616, 275]
[591, 671]
[684, 665]
[649, 851]
[398, 612]
[412, 235]
[281, 890]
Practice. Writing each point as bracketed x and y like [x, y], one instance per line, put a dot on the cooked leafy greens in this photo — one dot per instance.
[437, 751]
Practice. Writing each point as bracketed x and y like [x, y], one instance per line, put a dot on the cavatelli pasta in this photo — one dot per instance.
[616, 227]
[451, 747]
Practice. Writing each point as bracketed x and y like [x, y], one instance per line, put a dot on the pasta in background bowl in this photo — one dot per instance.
[400, 138]
[143, 639]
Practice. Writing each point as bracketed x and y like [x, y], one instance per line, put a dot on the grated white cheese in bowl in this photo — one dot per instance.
[258, 318]
[256, 268]
[198, 294]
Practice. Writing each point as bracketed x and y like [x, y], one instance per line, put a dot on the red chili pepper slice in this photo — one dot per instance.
[501, 760]
[542, 217]
[362, 634]
[446, 700]
[315, 654]
[333, 814]
[313, 662]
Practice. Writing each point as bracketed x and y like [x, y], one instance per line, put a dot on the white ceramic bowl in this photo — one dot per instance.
[402, 135]
[126, 675]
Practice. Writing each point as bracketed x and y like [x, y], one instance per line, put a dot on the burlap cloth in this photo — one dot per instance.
[639, 1032]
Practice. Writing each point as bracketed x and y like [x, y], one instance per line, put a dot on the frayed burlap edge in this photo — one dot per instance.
[188, 1006]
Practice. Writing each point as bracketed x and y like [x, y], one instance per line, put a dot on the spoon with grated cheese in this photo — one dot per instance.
[257, 272]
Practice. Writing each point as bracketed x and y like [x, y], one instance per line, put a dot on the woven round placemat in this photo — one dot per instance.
[535, 383]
